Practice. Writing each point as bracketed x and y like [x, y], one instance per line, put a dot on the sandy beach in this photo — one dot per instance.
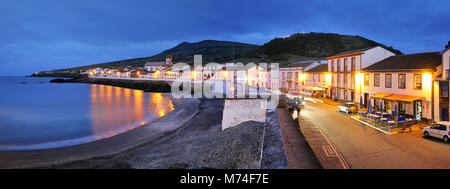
[188, 137]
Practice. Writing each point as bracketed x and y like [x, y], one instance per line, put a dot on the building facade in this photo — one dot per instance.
[344, 68]
[402, 81]
[290, 74]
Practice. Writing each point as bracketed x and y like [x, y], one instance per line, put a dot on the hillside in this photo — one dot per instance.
[282, 50]
[212, 51]
[314, 45]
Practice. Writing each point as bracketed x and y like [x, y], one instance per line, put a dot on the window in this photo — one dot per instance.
[417, 81]
[338, 78]
[388, 80]
[283, 75]
[345, 94]
[289, 75]
[376, 80]
[352, 78]
[443, 89]
[296, 76]
[366, 79]
[345, 82]
[353, 64]
[339, 65]
[332, 65]
[345, 64]
[401, 81]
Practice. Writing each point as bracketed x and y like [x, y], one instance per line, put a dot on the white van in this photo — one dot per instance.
[439, 130]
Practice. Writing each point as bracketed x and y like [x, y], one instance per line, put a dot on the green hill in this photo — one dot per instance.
[282, 50]
[212, 51]
[314, 45]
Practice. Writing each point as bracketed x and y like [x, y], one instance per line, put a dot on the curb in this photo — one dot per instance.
[324, 149]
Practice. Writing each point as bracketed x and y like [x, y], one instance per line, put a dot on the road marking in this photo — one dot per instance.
[331, 144]
[329, 151]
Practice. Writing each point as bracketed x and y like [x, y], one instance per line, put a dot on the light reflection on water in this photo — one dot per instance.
[109, 104]
[68, 114]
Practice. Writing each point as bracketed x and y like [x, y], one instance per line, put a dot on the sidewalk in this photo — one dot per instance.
[324, 149]
[299, 154]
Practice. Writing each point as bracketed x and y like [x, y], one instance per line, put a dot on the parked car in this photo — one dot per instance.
[295, 103]
[438, 130]
[348, 107]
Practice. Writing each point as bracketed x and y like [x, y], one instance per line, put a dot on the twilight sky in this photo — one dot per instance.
[52, 34]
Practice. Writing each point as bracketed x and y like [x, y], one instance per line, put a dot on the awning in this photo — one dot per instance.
[398, 97]
[406, 98]
[318, 89]
[381, 95]
[308, 87]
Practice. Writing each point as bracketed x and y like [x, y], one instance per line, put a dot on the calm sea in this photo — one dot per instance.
[36, 114]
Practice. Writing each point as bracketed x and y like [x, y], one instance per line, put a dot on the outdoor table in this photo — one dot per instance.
[391, 121]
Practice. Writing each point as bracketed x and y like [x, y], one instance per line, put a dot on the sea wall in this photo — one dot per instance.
[158, 86]
[237, 111]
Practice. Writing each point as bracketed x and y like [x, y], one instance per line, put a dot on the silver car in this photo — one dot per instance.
[349, 107]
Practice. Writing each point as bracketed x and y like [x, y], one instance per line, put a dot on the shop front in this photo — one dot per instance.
[407, 106]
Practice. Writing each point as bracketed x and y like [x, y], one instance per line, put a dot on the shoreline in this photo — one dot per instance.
[172, 141]
[184, 110]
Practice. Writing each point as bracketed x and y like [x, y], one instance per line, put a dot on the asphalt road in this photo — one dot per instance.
[364, 147]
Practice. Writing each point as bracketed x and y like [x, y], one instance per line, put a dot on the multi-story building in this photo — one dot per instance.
[344, 67]
[290, 74]
[441, 88]
[316, 81]
[402, 81]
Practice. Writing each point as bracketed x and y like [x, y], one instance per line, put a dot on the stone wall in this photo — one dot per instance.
[237, 111]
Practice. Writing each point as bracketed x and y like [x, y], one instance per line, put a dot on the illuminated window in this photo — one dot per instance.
[401, 81]
[366, 79]
[376, 80]
[417, 81]
[388, 80]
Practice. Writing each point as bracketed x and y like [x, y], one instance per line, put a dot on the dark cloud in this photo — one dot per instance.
[46, 34]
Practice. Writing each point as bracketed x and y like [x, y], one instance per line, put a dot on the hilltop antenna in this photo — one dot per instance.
[304, 26]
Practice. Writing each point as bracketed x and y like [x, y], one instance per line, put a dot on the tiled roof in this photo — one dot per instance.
[407, 62]
[299, 64]
[353, 51]
[155, 63]
[319, 68]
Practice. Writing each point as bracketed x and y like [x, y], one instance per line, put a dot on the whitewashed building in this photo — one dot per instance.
[441, 88]
[290, 74]
[154, 66]
[404, 81]
[316, 81]
[345, 66]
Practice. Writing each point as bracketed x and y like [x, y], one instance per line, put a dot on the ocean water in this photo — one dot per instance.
[36, 114]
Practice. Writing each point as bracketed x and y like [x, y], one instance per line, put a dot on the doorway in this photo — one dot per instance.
[444, 114]
[418, 110]
[366, 99]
